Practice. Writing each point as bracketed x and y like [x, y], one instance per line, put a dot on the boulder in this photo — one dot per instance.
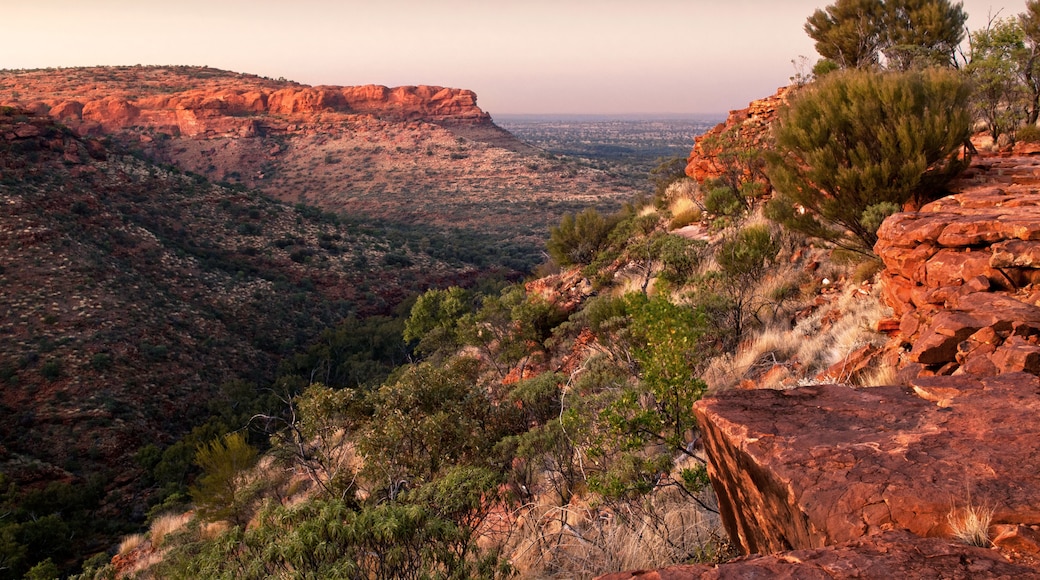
[888, 556]
[826, 464]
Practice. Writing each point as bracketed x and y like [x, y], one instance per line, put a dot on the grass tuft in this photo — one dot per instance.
[971, 525]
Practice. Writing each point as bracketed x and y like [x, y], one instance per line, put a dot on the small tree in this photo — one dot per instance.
[1030, 21]
[999, 65]
[579, 238]
[219, 491]
[856, 144]
[907, 33]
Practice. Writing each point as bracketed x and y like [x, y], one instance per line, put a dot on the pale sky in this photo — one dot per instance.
[520, 56]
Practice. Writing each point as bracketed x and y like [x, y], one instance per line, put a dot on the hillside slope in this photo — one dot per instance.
[422, 154]
[132, 292]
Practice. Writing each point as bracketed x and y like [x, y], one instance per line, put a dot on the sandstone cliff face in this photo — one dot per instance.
[203, 103]
[749, 127]
[416, 154]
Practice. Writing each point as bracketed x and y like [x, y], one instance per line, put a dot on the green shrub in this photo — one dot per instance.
[723, 201]
[579, 238]
[1028, 134]
[855, 144]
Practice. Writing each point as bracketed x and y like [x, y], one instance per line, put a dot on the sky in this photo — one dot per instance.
[519, 56]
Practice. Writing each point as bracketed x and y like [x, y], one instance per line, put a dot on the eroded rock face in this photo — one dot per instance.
[822, 465]
[889, 556]
[968, 263]
[753, 126]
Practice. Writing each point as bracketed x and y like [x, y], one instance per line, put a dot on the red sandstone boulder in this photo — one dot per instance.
[889, 556]
[827, 464]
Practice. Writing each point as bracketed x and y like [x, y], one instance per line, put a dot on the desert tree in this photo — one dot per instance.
[1030, 22]
[901, 34]
[857, 145]
[999, 69]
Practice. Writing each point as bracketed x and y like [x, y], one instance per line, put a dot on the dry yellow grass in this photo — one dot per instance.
[970, 525]
[165, 525]
[581, 540]
[684, 211]
[130, 543]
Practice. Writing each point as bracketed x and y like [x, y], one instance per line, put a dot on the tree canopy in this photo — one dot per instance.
[901, 34]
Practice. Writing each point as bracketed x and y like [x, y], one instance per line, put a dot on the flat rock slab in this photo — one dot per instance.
[890, 556]
[826, 464]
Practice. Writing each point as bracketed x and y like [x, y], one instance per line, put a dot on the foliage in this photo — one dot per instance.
[742, 258]
[40, 528]
[221, 492]
[855, 140]
[356, 353]
[578, 238]
[316, 439]
[903, 34]
[999, 62]
[740, 167]
[428, 418]
[434, 320]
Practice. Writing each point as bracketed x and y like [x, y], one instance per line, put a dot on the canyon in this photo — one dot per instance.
[417, 154]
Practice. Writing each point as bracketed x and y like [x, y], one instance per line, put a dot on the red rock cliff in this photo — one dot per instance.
[197, 102]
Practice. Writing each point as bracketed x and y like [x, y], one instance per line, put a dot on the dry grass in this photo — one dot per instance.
[970, 525]
[166, 524]
[130, 543]
[772, 346]
[821, 345]
[582, 541]
[684, 211]
[884, 375]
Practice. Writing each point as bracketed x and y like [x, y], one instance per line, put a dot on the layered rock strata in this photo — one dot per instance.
[748, 127]
[960, 274]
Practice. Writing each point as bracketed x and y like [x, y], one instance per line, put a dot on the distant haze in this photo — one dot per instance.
[520, 56]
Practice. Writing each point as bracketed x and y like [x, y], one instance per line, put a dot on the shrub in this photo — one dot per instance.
[684, 212]
[579, 238]
[855, 144]
[51, 370]
[723, 200]
[1028, 134]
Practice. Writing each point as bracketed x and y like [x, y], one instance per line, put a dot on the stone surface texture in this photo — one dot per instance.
[821, 465]
[889, 556]
[960, 273]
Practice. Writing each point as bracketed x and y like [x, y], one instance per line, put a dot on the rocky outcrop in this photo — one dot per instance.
[821, 465]
[960, 274]
[749, 127]
[200, 102]
[220, 112]
[884, 557]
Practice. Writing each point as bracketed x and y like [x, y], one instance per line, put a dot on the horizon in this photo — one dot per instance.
[670, 58]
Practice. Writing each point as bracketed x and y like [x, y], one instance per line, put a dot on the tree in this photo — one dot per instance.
[219, 491]
[904, 33]
[922, 33]
[1030, 21]
[859, 144]
[434, 320]
[579, 238]
[848, 32]
[999, 68]
[742, 259]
